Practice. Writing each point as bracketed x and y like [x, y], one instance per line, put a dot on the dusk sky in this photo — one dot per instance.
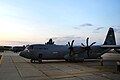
[35, 21]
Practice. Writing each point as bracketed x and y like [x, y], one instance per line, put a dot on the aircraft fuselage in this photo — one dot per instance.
[59, 52]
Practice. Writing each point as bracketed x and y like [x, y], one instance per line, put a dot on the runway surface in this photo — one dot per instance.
[14, 67]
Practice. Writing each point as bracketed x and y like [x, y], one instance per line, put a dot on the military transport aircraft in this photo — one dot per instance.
[49, 50]
[16, 49]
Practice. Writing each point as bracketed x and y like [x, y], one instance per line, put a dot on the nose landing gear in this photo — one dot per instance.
[39, 59]
[32, 61]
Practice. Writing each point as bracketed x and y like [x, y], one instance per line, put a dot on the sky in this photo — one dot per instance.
[35, 21]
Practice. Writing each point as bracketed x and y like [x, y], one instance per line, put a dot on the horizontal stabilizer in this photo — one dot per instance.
[111, 46]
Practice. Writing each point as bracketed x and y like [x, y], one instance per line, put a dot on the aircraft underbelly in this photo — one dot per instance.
[53, 56]
[50, 55]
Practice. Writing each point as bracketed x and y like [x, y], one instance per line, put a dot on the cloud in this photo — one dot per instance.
[86, 24]
[117, 30]
[118, 26]
[99, 28]
[77, 28]
[82, 25]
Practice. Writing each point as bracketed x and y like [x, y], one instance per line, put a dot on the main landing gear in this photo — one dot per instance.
[32, 61]
[39, 59]
[101, 61]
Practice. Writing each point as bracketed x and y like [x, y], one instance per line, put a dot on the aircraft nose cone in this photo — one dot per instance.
[24, 54]
[21, 54]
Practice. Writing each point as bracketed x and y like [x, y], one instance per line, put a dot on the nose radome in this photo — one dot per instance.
[22, 54]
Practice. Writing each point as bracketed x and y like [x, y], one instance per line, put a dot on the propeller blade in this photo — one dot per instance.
[82, 44]
[88, 50]
[71, 47]
[72, 43]
[87, 47]
[87, 41]
[92, 44]
[68, 43]
[71, 50]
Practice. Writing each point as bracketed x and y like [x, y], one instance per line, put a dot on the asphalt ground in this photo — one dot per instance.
[14, 67]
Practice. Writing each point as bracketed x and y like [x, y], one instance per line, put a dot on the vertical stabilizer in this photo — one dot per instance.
[110, 38]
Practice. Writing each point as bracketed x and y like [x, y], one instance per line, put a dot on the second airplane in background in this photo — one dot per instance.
[51, 51]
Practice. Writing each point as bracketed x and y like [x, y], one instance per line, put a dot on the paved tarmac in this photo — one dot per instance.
[14, 67]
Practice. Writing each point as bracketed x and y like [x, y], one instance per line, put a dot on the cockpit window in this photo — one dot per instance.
[30, 47]
[37, 47]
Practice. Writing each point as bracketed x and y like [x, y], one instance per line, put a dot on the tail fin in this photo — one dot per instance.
[110, 38]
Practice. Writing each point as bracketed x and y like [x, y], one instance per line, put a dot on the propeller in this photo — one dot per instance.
[71, 47]
[87, 47]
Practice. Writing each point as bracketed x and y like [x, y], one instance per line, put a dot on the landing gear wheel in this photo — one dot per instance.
[31, 60]
[40, 61]
[40, 58]
[101, 61]
[82, 61]
[66, 60]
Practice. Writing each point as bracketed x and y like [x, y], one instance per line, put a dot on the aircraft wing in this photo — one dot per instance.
[111, 46]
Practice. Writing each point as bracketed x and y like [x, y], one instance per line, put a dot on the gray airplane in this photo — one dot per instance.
[50, 51]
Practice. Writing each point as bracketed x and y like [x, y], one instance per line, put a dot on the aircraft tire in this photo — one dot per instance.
[82, 61]
[40, 61]
[40, 58]
[66, 60]
[31, 60]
